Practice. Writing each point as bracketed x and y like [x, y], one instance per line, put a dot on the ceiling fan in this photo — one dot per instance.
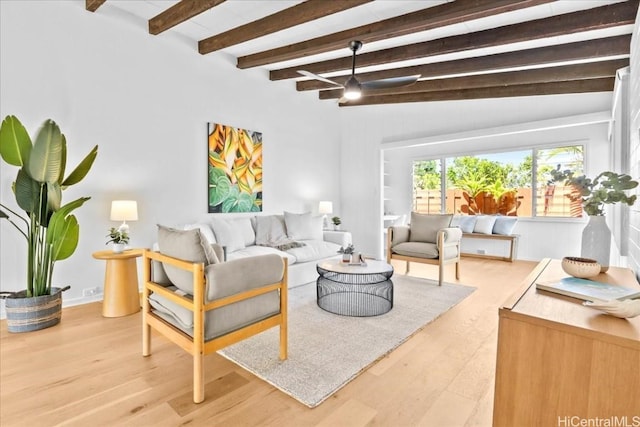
[353, 87]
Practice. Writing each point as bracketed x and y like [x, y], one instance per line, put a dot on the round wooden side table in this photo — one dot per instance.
[121, 294]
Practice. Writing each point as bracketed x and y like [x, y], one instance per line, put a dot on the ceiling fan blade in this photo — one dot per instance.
[317, 77]
[391, 82]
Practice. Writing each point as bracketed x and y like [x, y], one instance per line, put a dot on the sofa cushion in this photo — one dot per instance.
[313, 250]
[303, 226]
[188, 245]
[270, 229]
[205, 229]
[229, 233]
[424, 228]
[257, 250]
[504, 225]
[484, 224]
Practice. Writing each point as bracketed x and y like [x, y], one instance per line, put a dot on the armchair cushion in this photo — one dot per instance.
[416, 249]
[242, 274]
[424, 228]
[400, 233]
[452, 236]
[188, 245]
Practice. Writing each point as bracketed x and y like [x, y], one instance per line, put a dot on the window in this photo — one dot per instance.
[515, 183]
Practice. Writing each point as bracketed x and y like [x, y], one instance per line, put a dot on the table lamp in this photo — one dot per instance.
[325, 208]
[124, 210]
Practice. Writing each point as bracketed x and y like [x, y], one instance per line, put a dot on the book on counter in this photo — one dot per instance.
[588, 290]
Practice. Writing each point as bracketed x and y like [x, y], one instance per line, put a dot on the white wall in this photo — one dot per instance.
[146, 100]
[367, 130]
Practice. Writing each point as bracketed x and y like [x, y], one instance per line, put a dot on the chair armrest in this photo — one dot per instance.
[398, 234]
[452, 236]
[239, 275]
[342, 238]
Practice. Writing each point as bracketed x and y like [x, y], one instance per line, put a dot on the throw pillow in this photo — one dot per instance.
[270, 230]
[484, 224]
[504, 225]
[467, 223]
[303, 226]
[425, 227]
[228, 234]
[205, 229]
[188, 245]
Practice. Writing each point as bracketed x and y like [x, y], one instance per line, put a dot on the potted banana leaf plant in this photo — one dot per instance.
[50, 229]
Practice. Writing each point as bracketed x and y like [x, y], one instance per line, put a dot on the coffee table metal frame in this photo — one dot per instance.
[355, 290]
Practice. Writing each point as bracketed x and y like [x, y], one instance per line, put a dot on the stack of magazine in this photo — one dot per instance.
[588, 290]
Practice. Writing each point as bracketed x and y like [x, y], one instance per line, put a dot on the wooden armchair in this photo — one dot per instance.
[231, 301]
[428, 239]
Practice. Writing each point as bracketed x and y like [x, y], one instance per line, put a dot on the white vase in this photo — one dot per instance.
[117, 248]
[336, 227]
[596, 241]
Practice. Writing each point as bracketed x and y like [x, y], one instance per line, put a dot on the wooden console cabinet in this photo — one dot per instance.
[560, 362]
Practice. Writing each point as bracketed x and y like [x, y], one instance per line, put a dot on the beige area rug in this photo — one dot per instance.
[327, 351]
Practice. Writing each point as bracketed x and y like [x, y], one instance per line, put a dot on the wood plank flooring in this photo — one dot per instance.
[88, 371]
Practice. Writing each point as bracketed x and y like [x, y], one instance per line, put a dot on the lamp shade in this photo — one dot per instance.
[124, 210]
[325, 207]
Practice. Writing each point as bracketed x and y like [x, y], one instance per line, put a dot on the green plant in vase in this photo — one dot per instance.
[606, 188]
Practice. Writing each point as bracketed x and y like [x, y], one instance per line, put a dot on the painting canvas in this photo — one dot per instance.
[235, 169]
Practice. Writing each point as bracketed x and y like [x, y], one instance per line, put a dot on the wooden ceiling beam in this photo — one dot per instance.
[421, 20]
[536, 89]
[93, 5]
[586, 20]
[299, 14]
[178, 13]
[592, 70]
[577, 51]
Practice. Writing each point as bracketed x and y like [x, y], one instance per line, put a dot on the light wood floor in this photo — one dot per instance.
[88, 371]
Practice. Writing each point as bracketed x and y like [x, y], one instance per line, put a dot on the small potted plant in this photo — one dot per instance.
[119, 237]
[336, 222]
[346, 252]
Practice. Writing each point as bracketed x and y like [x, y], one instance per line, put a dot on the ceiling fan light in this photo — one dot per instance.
[352, 89]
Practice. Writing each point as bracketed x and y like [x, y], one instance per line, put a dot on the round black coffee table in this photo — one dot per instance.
[355, 290]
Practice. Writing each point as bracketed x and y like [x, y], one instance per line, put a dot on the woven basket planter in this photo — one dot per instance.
[26, 314]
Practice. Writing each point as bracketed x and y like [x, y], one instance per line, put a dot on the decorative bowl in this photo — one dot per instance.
[580, 267]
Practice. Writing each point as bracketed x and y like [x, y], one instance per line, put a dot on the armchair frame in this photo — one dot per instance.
[196, 345]
[440, 262]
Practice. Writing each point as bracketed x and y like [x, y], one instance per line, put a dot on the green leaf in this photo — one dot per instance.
[27, 192]
[82, 169]
[45, 161]
[219, 190]
[63, 231]
[15, 144]
[54, 196]
[65, 240]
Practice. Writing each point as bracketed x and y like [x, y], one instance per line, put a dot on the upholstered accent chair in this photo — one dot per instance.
[427, 239]
[203, 304]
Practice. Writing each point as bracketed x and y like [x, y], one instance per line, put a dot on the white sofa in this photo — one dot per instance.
[297, 237]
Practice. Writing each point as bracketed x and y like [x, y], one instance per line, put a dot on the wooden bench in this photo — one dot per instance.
[513, 242]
